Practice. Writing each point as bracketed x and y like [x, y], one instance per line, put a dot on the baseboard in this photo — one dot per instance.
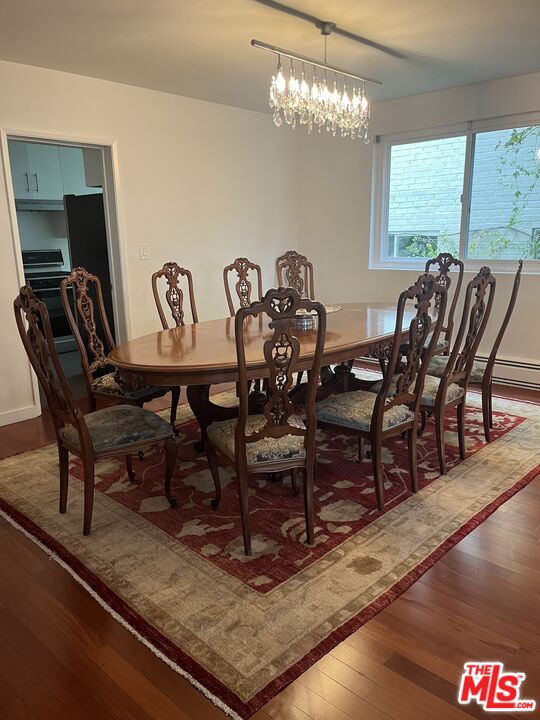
[14, 416]
[514, 373]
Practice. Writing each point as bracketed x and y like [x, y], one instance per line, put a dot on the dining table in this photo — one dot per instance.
[204, 354]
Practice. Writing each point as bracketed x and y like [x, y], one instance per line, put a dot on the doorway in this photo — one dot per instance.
[65, 219]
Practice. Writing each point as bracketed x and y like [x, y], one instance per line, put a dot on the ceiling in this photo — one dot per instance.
[201, 48]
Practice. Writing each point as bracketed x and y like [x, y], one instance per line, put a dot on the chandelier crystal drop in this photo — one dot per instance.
[337, 105]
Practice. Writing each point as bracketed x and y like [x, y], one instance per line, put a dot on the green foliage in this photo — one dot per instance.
[519, 170]
[426, 247]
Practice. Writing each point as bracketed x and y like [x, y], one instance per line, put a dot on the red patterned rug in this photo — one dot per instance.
[240, 628]
[344, 499]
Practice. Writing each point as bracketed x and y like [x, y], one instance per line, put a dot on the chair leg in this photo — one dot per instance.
[439, 436]
[486, 411]
[129, 467]
[460, 410]
[376, 460]
[412, 436]
[422, 427]
[88, 495]
[308, 501]
[63, 461]
[360, 448]
[294, 481]
[244, 509]
[175, 399]
[490, 406]
[171, 448]
[214, 469]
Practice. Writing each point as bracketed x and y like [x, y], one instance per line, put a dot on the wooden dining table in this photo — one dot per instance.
[204, 354]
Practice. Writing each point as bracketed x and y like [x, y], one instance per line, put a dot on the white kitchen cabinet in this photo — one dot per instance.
[36, 171]
[45, 173]
[20, 169]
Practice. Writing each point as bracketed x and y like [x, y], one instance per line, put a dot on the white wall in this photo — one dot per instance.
[335, 205]
[200, 183]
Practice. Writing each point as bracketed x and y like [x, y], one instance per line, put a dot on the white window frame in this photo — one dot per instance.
[382, 148]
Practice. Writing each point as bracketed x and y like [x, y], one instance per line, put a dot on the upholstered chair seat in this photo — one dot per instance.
[477, 372]
[431, 386]
[355, 410]
[267, 450]
[438, 364]
[109, 384]
[118, 425]
[440, 345]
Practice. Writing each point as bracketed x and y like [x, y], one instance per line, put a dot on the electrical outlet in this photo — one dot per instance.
[144, 252]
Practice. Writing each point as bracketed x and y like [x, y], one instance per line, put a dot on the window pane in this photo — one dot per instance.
[424, 211]
[504, 218]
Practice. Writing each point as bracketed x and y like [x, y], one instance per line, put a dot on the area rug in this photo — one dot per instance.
[242, 628]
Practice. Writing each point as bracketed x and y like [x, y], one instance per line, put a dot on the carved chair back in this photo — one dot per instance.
[441, 267]
[99, 340]
[243, 286]
[478, 301]
[35, 330]
[174, 295]
[488, 372]
[281, 352]
[295, 270]
[430, 299]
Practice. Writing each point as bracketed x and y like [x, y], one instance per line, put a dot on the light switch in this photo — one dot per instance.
[144, 252]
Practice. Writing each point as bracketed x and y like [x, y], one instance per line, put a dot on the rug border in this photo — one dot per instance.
[185, 665]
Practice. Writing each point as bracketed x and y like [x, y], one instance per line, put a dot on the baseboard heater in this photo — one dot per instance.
[515, 373]
[519, 374]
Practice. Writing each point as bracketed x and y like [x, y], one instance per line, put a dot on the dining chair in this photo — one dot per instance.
[243, 286]
[441, 267]
[109, 432]
[449, 377]
[482, 371]
[295, 270]
[275, 440]
[103, 382]
[171, 272]
[394, 408]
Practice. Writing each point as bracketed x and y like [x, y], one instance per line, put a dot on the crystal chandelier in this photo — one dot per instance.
[318, 95]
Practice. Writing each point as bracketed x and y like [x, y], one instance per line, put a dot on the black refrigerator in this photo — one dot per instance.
[88, 246]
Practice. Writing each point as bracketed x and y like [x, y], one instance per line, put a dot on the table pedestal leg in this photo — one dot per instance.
[205, 411]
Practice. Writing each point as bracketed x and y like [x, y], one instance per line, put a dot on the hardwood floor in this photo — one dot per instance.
[63, 657]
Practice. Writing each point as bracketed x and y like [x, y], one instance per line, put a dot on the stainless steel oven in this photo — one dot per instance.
[43, 272]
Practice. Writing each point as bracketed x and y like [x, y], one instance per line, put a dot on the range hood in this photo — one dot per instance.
[38, 205]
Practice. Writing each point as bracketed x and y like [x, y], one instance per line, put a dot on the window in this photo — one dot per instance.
[420, 185]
